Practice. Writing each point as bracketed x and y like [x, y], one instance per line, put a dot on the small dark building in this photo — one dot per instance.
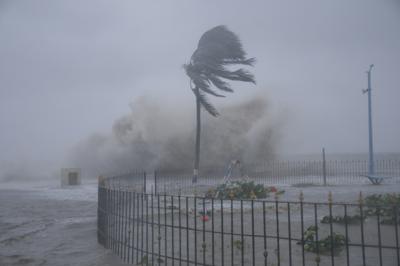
[70, 176]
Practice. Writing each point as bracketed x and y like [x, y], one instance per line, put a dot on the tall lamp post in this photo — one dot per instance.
[371, 148]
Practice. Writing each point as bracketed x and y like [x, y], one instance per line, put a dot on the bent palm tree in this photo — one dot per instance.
[217, 49]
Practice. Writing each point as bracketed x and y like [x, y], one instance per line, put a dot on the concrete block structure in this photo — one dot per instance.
[71, 176]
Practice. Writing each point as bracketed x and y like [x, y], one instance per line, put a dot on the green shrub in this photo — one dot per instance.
[334, 242]
[387, 206]
[241, 190]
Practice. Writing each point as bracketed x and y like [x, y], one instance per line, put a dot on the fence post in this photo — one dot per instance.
[324, 165]
[144, 182]
[155, 182]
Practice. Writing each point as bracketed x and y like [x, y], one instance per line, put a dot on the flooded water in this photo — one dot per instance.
[47, 225]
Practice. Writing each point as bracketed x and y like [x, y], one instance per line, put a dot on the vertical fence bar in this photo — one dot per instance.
[241, 232]
[180, 230]
[212, 232]
[187, 230]
[324, 166]
[396, 230]
[362, 228]
[147, 225]
[116, 235]
[124, 225]
[346, 227]
[289, 234]
[121, 221]
[123, 235]
[144, 182]
[195, 229]
[114, 218]
[302, 228]
[172, 230]
[137, 226]
[331, 234]
[141, 226]
[318, 258]
[203, 245]
[129, 225]
[133, 225]
[378, 220]
[111, 218]
[165, 231]
[252, 233]
[277, 230]
[152, 228]
[155, 183]
[222, 232]
[331, 227]
[118, 220]
[265, 236]
[106, 217]
[232, 252]
[159, 229]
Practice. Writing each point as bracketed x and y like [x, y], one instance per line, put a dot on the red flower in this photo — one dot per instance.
[204, 218]
[273, 189]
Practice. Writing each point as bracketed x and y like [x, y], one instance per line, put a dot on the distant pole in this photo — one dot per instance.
[155, 182]
[324, 165]
[371, 148]
[144, 182]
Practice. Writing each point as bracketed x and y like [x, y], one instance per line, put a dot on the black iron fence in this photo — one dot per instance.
[333, 168]
[155, 229]
[280, 172]
[134, 181]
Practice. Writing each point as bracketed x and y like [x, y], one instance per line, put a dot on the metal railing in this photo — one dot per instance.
[283, 173]
[154, 229]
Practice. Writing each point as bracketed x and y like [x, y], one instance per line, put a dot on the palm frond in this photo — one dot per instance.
[210, 91]
[238, 75]
[200, 81]
[205, 103]
[220, 43]
[248, 62]
[217, 48]
[196, 77]
[220, 84]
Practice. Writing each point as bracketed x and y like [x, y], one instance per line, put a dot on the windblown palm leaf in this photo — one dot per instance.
[217, 49]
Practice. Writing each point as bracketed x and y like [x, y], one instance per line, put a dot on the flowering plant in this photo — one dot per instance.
[242, 190]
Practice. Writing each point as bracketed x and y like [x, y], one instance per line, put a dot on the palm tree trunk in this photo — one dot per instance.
[197, 150]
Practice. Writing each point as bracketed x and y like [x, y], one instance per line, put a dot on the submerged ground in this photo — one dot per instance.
[50, 226]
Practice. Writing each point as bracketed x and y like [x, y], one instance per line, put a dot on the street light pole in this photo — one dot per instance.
[371, 148]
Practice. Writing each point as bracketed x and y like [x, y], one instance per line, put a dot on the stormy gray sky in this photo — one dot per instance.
[69, 69]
